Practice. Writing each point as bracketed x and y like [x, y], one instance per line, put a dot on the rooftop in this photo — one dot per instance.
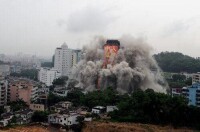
[99, 107]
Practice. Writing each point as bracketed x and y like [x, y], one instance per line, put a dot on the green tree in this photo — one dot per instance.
[40, 116]
[178, 77]
[53, 99]
[76, 97]
[47, 64]
[17, 105]
[188, 82]
[28, 73]
[156, 108]
[60, 81]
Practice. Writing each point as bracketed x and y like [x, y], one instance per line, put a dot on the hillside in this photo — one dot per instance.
[129, 127]
[102, 127]
[177, 62]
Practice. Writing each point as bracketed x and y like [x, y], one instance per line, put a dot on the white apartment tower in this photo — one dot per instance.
[47, 75]
[63, 60]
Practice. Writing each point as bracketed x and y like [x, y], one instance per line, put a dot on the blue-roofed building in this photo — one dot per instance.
[192, 93]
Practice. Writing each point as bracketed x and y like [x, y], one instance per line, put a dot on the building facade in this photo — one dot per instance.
[4, 69]
[65, 59]
[4, 92]
[37, 107]
[176, 91]
[63, 119]
[47, 75]
[192, 94]
[76, 57]
[98, 109]
[196, 77]
[25, 90]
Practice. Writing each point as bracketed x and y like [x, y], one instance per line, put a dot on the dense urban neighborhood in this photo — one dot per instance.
[32, 91]
[99, 66]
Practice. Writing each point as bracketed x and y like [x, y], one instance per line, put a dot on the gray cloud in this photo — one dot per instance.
[183, 26]
[176, 28]
[39, 26]
[88, 19]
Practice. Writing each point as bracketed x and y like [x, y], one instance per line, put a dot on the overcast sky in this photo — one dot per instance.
[39, 26]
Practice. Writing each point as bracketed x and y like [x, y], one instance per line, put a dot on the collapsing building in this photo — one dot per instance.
[126, 69]
[110, 52]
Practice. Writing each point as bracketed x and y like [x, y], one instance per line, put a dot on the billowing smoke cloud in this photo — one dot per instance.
[134, 68]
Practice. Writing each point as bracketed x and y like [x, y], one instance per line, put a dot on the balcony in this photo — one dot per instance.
[185, 90]
[185, 94]
[198, 90]
[198, 104]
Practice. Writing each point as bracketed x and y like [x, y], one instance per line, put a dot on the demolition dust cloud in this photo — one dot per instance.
[132, 67]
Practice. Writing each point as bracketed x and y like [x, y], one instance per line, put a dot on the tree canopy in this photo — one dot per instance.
[40, 116]
[28, 73]
[179, 81]
[177, 62]
[17, 105]
[140, 106]
[60, 81]
[47, 64]
[157, 108]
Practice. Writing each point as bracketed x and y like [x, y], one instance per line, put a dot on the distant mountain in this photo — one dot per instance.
[177, 62]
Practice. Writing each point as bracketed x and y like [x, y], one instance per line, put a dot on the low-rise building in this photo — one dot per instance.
[98, 109]
[60, 91]
[6, 119]
[111, 108]
[83, 111]
[48, 75]
[23, 116]
[88, 119]
[196, 77]
[37, 107]
[44, 90]
[63, 119]
[61, 106]
[176, 91]
[65, 104]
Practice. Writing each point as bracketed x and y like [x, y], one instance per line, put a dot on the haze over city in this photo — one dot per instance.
[39, 26]
[99, 66]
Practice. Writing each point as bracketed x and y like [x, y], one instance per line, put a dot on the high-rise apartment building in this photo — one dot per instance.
[23, 89]
[65, 59]
[192, 94]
